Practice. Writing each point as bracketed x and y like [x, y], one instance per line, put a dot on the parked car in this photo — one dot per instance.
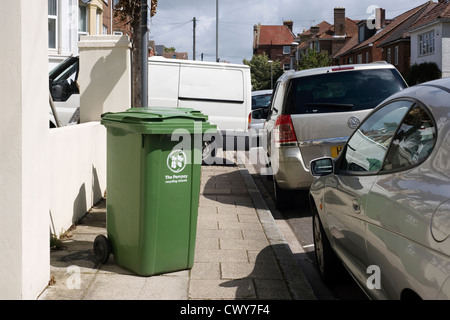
[260, 108]
[384, 204]
[258, 115]
[65, 92]
[312, 114]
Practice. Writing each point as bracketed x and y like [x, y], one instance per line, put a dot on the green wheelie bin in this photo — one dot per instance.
[153, 186]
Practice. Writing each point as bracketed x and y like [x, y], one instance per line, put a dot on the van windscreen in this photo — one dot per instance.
[342, 91]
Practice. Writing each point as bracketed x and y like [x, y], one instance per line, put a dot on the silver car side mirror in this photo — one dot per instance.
[321, 167]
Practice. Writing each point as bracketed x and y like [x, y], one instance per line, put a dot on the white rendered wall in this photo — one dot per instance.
[24, 186]
[105, 76]
[77, 172]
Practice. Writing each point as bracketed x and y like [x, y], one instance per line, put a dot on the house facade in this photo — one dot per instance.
[419, 35]
[70, 19]
[384, 39]
[330, 38]
[277, 42]
[63, 20]
[430, 37]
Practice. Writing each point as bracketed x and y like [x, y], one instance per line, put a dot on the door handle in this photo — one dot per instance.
[356, 205]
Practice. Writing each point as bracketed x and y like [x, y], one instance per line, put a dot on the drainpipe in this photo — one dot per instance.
[144, 67]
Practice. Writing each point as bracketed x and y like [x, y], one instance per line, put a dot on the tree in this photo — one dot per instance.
[260, 69]
[314, 59]
[129, 12]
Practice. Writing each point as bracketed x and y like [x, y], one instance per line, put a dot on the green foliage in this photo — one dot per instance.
[260, 69]
[423, 72]
[314, 59]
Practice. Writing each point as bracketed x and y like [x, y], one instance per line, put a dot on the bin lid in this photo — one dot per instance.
[154, 120]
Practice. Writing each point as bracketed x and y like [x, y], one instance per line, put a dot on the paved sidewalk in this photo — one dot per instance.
[240, 253]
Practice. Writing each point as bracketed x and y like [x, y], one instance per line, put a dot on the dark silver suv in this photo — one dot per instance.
[312, 114]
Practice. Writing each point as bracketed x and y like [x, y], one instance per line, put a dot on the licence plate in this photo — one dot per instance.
[335, 151]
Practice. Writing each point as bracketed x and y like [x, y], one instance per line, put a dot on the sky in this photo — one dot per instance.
[173, 26]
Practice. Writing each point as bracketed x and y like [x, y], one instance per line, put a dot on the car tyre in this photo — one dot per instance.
[329, 266]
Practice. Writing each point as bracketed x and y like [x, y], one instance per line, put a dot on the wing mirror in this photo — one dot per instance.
[321, 167]
[260, 113]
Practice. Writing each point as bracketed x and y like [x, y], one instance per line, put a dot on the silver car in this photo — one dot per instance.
[383, 206]
[312, 114]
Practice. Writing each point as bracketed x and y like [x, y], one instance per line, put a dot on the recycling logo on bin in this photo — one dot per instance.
[176, 162]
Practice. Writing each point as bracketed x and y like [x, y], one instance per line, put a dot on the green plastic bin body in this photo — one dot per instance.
[153, 187]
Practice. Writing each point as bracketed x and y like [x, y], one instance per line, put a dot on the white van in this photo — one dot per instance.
[220, 90]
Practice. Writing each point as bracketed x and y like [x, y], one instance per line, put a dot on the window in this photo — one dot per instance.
[359, 58]
[361, 34]
[367, 57]
[83, 21]
[426, 43]
[396, 55]
[53, 24]
[341, 91]
[98, 21]
[286, 49]
[413, 142]
[388, 55]
[367, 147]
[261, 101]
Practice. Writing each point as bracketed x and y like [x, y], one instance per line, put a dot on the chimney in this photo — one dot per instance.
[339, 21]
[288, 24]
[380, 18]
[314, 30]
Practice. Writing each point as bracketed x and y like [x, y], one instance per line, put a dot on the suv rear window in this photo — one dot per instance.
[342, 91]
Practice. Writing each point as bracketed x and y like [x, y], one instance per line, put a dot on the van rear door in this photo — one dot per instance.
[216, 91]
[163, 79]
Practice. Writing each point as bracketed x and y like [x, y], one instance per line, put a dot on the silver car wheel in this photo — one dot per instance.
[318, 245]
[330, 267]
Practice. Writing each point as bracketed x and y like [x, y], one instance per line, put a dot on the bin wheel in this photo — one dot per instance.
[102, 248]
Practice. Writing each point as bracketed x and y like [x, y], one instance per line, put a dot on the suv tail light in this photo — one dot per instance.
[284, 130]
[249, 120]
